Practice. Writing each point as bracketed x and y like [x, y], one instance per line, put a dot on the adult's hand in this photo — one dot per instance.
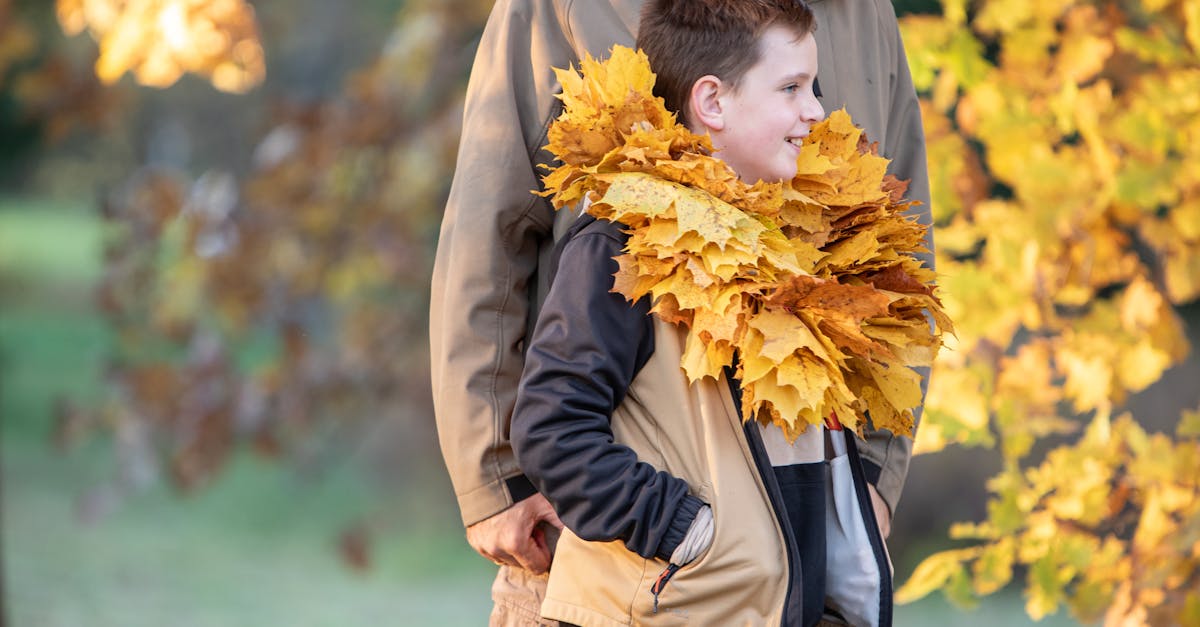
[883, 514]
[514, 537]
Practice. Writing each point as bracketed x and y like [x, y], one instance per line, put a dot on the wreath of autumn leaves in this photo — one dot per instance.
[812, 284]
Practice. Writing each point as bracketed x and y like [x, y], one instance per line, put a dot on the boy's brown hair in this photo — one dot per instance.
[688, 39]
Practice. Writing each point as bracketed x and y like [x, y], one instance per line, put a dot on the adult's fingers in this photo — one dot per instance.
[530, 546]
[883, 514]
[532, 554]
[503, 558]
[549, 516]
[514, 545]
[513, 537]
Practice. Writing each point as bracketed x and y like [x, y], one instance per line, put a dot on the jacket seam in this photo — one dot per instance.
[568, 7]
[485, 488]
[891, 39]
[498, 365]
[551, 115]
[641, 582]
[529, 615]
[590, 612]
[526, 215]
[543, 135]
[534, 198]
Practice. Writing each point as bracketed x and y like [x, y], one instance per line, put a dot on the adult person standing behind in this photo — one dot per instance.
[496, 234]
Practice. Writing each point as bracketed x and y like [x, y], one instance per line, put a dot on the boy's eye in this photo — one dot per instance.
[791, 89]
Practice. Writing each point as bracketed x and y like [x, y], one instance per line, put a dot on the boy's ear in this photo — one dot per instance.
[705, 104]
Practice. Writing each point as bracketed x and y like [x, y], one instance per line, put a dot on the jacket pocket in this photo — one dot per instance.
[599, 576]
[658, 586]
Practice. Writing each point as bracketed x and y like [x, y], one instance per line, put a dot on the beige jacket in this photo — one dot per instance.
[495, 233]
[742, 578]
[748, 574]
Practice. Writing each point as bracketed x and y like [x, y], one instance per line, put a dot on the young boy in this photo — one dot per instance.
[676, 510]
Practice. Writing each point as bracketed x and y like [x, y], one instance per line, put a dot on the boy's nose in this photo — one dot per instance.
[813, 111]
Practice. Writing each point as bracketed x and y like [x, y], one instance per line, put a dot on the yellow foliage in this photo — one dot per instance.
[1066, 191]
[933, 573]
[812, 282]
[1116, 513]
[159, 40]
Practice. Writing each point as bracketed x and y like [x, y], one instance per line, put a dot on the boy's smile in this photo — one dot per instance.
[765, 119]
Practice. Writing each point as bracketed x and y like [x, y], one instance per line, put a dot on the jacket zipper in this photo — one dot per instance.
[793, 604]
[660, 584]
[872, 525]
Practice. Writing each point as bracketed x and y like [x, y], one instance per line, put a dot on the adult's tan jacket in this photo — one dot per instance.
[495, 233]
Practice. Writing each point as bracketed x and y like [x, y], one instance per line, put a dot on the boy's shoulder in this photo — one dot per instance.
[586, 227]
[587, 224]
[591, 244]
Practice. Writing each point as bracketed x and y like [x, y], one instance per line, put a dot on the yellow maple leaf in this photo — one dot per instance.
[837, 136]
[860, 247]
[812, 165]
[727, 261]
[910, 344]
[805, 213]
[789, 406]
[808, 376]
[631, 280]
[715, 221]
[787, 334]
[705, 358]
[900, 385]
[632, 196]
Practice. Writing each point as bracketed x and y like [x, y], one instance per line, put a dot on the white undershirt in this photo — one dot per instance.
[809, 447]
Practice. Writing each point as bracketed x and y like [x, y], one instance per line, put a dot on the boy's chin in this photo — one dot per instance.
[785, 172]
[781, 174]
[782, 177]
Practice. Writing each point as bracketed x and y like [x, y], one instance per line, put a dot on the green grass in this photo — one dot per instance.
[49, 241]
[258, 547]
[255, 548]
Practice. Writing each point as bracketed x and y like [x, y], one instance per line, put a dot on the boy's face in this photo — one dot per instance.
[771, 111]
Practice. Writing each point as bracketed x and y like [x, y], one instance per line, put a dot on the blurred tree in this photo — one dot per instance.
[159, 40]
[1062, 145]
[906, 7]
[285, 306]
[44, 96]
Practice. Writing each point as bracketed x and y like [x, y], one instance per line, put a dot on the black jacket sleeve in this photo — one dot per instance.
[587, 347]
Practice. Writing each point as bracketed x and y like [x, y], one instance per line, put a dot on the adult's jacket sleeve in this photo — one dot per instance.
[495, 232]
[904, 141]
[864, 69]
[486, 257]
[587, 347]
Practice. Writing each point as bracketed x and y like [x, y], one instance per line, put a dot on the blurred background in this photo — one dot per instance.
[217, 224]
